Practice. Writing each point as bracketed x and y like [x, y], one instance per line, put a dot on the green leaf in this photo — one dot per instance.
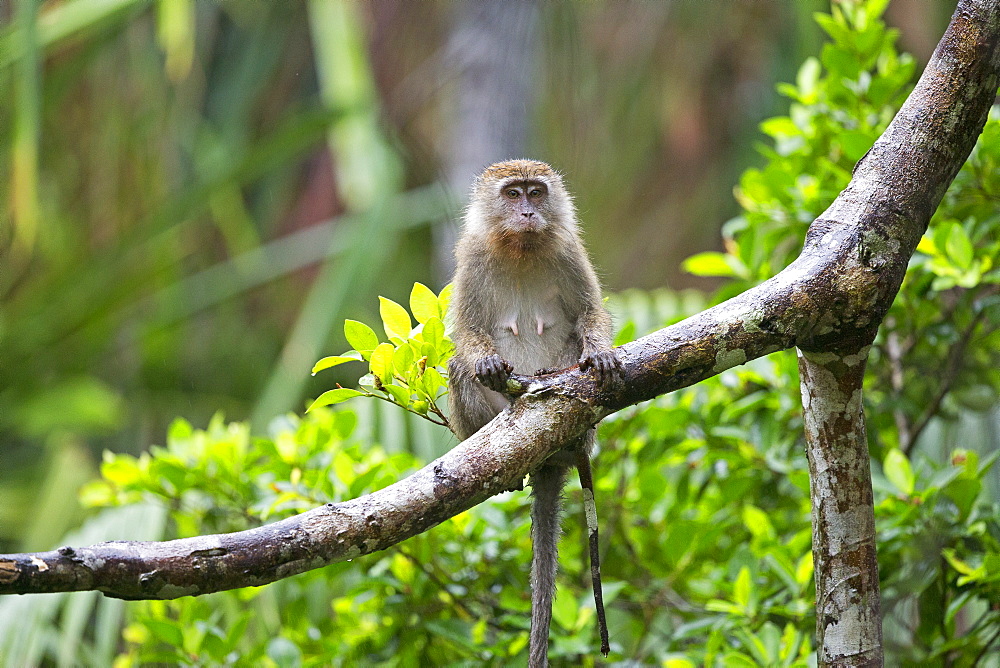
[444, 298]
[361, 337]
[367, 381]
[625, 334]
[876, 8]
[757, 522]
[331, 361]
[898, 471]
[403, 359]
[400, 395]
[565, 610]
[963, 492]
[855, 144]
[709, 263]
[742, 589]
[718, 605]
[804, 570]
[423, 303]
[381, 362]
[779, 127]
[927, 246]
[834, 28]
[956, 563]
[395, 319]
[433, 331]
[331, 397]
[959, 247]
[808, 76]
[433, 381]
[120, 469]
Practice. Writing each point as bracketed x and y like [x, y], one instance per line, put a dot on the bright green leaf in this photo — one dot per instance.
[331, 361]
[804, 570]
[433, 331]
[808, 76]
[434, 381]
[956, 563]
[779, 126]
[898, 471]
[927, 246]
[361, 337]
[757, 522]
[742, 589]
[709, 263]
[625, 334]
[331, 397]
[959, 247]
[403, 359]
[381, 362]
[399, 394]
[423, 303]
[395, 319]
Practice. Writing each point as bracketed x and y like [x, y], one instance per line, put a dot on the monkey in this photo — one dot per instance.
[527, 300]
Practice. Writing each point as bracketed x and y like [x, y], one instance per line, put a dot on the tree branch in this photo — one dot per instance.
[831, 298]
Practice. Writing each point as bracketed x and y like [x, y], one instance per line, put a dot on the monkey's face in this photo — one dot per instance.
[523, 206]
[520, 206]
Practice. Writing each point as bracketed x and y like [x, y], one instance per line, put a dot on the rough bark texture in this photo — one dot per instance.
[848, 619]
[830, 300]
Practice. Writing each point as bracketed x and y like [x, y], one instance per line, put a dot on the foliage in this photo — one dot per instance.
[937, 357]
[706, 547]
[161, 164]
[410, 368]
[948, 309]
[451, 594]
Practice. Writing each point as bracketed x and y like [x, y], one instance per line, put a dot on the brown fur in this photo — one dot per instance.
[522, 269]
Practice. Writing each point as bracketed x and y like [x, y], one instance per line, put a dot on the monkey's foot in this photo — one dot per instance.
[606, 365]
[493, 372]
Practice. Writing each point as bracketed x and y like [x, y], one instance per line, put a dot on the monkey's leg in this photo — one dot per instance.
[590, 510]
[547, 483]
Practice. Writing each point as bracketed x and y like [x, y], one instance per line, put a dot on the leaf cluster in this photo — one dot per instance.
[409, 369]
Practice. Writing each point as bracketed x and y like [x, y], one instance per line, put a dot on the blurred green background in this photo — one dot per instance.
[195, 194]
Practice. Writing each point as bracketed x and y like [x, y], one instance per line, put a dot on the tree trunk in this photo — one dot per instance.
[848, 618]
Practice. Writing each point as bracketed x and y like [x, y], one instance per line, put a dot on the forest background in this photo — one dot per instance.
[197, 194]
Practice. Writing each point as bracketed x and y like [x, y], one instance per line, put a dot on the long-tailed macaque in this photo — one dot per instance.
[526, 300]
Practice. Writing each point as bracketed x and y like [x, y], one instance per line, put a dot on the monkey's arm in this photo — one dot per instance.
[592, 324]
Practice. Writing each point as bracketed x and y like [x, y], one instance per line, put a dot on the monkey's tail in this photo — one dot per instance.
[547, 483]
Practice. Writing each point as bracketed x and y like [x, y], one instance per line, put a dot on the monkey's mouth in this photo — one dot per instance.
[527, 226]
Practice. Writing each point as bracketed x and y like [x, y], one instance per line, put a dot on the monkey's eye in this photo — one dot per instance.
[512, 193]
[535, 192]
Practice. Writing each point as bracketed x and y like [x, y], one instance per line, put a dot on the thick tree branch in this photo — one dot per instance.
[832, 299]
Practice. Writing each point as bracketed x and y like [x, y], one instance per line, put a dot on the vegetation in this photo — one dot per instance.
[703, 494]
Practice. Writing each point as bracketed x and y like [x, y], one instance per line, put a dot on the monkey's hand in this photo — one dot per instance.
[493, 372]
[605, 363]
